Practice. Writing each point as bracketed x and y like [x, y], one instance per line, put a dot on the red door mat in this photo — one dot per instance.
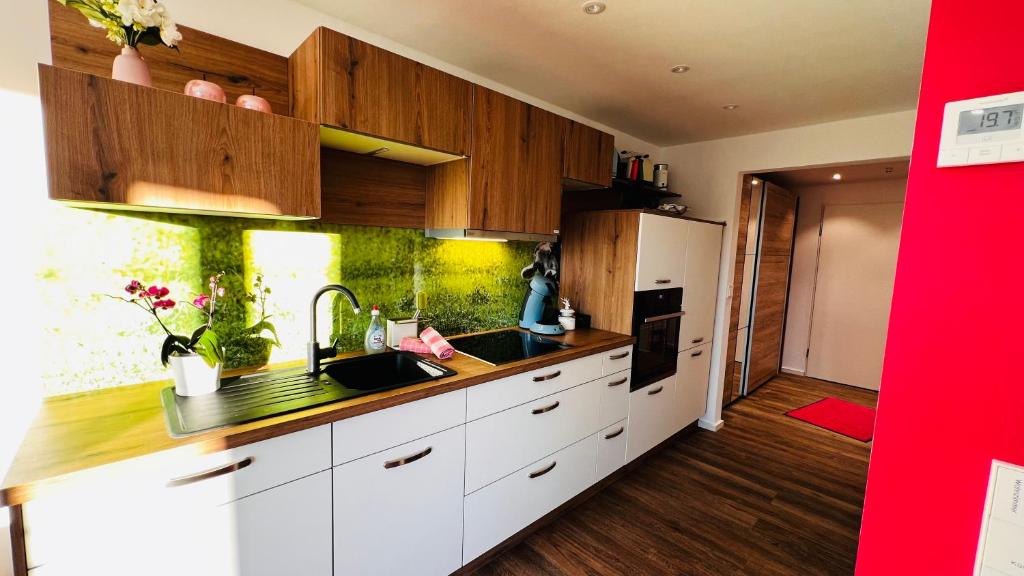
[839, 416]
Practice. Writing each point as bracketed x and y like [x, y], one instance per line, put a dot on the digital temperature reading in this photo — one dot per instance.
[984, 120]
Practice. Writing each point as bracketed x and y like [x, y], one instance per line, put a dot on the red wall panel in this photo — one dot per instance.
[952, 393]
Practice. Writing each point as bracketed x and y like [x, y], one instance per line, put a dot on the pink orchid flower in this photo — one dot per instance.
[200, 301]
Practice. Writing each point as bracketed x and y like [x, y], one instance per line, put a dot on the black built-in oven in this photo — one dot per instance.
[656, 318]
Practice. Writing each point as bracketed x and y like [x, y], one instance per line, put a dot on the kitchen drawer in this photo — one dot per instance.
[504, 442]
[617, 360]
[392, 517]
[368, 433]
[514, 502]
[692, 373]
[651, 417]
[611, 448]
[283, 530]
[512, 391]
[614, 398]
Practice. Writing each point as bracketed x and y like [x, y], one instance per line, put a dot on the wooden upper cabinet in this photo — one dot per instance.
[111, 142]
[587, 156]
[345, 83]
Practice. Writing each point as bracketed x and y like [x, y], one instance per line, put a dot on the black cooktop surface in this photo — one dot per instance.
[506, 346]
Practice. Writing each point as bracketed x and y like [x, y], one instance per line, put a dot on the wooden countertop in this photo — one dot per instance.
[77, 436]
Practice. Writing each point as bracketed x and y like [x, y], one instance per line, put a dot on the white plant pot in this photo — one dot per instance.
[192, 375]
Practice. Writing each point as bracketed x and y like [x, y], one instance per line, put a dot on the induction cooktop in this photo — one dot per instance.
[506, 346]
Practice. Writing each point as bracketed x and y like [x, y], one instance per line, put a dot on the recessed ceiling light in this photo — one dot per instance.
[680, 69]
[593, 7]
[730, 106]
[837, 176]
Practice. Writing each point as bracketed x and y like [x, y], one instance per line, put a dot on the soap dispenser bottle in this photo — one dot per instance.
[375, 339]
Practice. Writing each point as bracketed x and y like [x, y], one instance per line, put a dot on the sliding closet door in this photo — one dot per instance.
[775, 251]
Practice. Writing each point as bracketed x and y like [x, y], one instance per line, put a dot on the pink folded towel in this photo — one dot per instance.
[414, 345]
[438, 345]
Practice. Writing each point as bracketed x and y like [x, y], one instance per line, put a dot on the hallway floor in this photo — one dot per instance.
[767, 495]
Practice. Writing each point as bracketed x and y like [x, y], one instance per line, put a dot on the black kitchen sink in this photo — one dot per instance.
[247, 398]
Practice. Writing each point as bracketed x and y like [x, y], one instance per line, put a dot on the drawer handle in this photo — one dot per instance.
[615, 434]
[408, 459]
[619, 356]
[697, 353]
[697, 340]
[618, 382]
[663, 281]
[206, 475]
[546, 408]
[655, 391]
[539, 473]
[546, 377]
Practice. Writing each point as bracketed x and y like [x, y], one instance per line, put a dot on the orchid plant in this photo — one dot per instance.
[130, 22]
[262, 327]
[204, 341]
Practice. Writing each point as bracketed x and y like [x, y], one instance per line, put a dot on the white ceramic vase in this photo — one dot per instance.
[193, 376]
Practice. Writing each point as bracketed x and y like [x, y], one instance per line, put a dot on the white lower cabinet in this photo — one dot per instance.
[505, 442]
[400, 511]
[651, 417]
[692, 373]
[614, 398]
[507, 506]
[611, 448]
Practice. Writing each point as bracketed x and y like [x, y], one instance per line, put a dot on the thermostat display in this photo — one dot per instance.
[983, 131]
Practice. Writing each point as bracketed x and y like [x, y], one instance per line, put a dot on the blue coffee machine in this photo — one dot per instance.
[535, 307]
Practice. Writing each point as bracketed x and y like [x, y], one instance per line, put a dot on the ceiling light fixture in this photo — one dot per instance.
[680, 69]
[593, 7]
[755, 182]
[730, 106]
[837, 176]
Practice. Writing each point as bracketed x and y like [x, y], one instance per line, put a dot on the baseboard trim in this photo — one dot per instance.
[793, 371]
[709, 425]
[573, 502]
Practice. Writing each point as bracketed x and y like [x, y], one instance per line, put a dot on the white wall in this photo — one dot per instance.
[708, 175]
[805, 254]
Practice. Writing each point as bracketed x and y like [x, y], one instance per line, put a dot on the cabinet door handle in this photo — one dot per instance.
[611, 435]
[408, 459]
[697, 340]
[655, 391]
[213, 473]
[697, 353]
[619, 356]
[618, 382]
[546, 408]
[546, 377]
[544, 470]
[663, 281]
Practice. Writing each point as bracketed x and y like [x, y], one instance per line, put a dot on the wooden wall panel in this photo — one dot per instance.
[599, 266]
[367, 191]
[237, 68]
[189, 154]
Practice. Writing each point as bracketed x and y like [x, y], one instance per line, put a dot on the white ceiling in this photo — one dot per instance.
[785, 62]
[895, 169]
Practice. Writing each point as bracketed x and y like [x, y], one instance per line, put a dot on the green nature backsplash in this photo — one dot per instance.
[97, 342]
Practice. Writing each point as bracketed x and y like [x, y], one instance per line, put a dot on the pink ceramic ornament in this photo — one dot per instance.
[253, 102]
[206, 90]
[130, 67]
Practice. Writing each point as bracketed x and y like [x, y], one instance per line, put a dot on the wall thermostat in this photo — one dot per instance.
[983, 131]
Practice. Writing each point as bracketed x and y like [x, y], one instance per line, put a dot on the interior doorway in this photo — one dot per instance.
[779, 273]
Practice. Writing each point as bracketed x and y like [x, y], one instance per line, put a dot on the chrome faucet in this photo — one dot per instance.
[314, 353]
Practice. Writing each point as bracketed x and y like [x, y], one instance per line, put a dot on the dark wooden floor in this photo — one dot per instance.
[766, 495]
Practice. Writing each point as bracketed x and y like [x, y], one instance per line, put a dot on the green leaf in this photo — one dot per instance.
[197, 335]
[172, 344]
[209, 348]
[263, 326]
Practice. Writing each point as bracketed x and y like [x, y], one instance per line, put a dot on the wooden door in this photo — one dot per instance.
[771, 285]
[853, 292]
[542, 185]
[369, 90]
[588, 154]
[498, 160]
